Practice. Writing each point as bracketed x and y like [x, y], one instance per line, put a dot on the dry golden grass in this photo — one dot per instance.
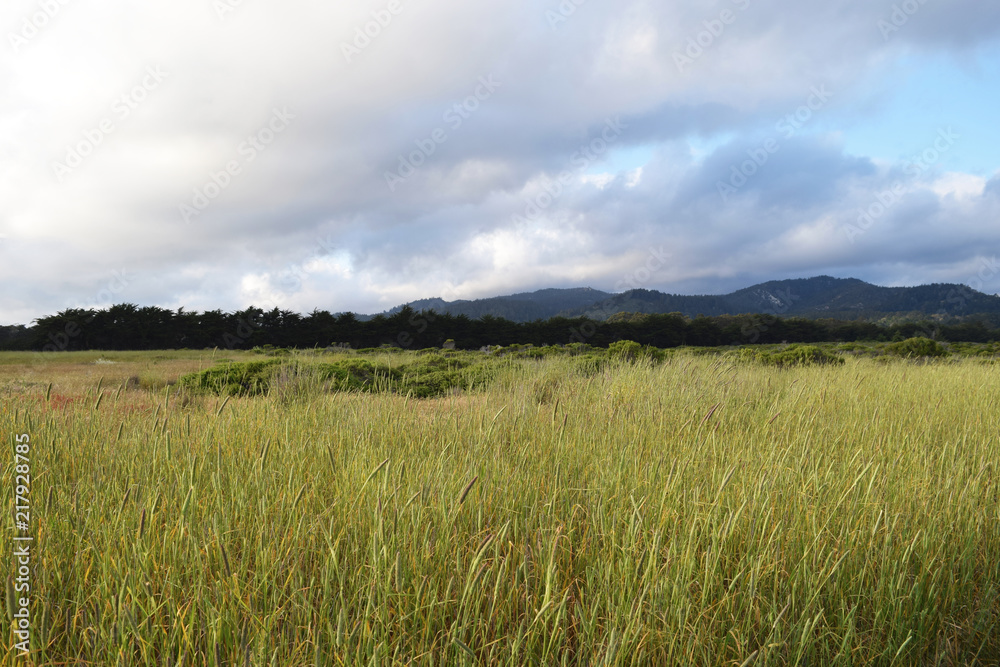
[702, 512]
[77, 372]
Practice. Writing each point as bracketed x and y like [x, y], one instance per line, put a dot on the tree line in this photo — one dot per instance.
[130, 327]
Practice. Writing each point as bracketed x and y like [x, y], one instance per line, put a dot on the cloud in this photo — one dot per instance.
[368, 90]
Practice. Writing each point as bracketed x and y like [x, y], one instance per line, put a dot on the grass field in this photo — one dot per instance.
[704, 510]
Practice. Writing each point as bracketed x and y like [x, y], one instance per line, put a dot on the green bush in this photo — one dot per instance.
[793, 355]
[751, 355]
[480, 375]
[530, 351]
[803, 355]
[271, 351]
[429, 376]
[247, 378]
[630, 351]
[707, 351]
[589, 365]
[915, 348]
[353, 374]
[973, 350]
[625, 350]
[428, 385]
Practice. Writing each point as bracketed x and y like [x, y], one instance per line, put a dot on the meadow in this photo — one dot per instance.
[696, 507]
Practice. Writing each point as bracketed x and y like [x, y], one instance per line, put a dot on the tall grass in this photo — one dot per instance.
[697, 512]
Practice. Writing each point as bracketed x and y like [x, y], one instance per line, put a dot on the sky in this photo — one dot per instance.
[216, 154]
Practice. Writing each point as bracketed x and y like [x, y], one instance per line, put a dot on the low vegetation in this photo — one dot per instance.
[916, 348]
[128, 327]
[792, 355]
[545, 506]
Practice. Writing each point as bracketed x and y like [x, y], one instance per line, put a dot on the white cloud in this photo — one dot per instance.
[450, 223]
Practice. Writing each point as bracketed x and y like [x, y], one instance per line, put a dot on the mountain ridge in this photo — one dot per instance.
[521, 307]
[815, 297]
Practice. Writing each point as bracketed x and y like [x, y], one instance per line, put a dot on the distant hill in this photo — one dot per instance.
[818, 297]
[822, 296]
[523, 307]
[850, 309]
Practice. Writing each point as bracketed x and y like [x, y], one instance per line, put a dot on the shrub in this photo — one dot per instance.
[973, 350]
[354, 374]
[915, 348]
[751, 355]
[431, 375]
[589, 365]
[630, 351]
[793, 355]
[803, 355]
[707, 351]
[271, 350]
[990, 350]
[428, 385]
[234, 379]
[625, 350]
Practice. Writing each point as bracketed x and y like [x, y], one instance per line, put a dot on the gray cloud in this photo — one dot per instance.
[456, 225]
